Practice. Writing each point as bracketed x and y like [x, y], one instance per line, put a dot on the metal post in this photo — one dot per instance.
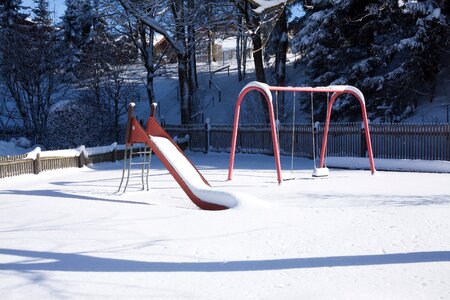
[264, 90]
[125, 158]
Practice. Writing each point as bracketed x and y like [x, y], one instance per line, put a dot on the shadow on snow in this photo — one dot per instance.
[58, 194]
[74, 262]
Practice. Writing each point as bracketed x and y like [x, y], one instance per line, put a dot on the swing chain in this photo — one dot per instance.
[293, 135]
[277, 120]
[325, 155]
[313, 131]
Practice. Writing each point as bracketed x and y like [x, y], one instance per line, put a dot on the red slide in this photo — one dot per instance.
[180, 167]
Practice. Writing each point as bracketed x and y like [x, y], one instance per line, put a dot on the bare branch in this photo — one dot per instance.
[150, 22]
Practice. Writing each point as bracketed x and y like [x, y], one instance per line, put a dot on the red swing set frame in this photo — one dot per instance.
[266, 90]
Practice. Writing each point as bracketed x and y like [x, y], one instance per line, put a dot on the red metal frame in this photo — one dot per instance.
[266, 89]
[137, 134]
[262, 88]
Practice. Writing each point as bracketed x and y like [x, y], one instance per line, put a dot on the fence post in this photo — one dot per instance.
[448, 142]
[81, 160]
[37, 164]
[207, 131]
[114, 155]
[363, 150]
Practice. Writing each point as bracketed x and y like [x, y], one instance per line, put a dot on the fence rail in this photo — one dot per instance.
[23, 164]
[399, 141]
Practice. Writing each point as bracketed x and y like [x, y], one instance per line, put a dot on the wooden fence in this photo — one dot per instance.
[399, 141]
[22, 164]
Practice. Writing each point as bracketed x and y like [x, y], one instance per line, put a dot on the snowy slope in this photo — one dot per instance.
[65, 234]
[219, 112]
[434, 112]
[251, 111]
[15, 147]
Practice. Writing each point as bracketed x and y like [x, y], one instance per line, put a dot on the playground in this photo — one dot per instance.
[254, 228]
[67, 234]
[154, 139]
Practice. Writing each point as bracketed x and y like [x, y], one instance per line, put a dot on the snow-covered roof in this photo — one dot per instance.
[228, 44]
[158, 38]
[266, 4]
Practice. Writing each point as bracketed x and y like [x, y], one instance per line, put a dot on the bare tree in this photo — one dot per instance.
[117, 96]
[253, 26]
[277, 46]
[144, 37]
[176, 34]
[241, 48]
[32, 74]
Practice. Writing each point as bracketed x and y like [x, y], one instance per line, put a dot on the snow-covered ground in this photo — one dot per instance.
[66, 234]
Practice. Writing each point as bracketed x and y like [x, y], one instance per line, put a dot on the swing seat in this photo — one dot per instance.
[320, 172]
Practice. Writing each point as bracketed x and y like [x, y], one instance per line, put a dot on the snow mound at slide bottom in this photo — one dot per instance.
[194, 181]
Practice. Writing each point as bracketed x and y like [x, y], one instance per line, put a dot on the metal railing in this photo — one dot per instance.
[212, 83]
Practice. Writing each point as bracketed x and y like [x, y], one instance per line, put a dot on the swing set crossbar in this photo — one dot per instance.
[336, 91]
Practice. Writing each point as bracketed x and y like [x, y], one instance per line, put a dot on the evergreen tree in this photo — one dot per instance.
[10, 13]
[388, 49]
[41, 13]
[76, 24]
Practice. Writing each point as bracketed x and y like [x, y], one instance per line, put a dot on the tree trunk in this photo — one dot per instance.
[192, 48]
[182, 57]
[239, 49]
[244, 56]
[150, 68]
[259, 65]
[150, 88]
[116, 119]
[184, 88]
[147, 54]
[281, 58]
[258, 57]
[210, 37]
[254, 24]
[185, 81]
